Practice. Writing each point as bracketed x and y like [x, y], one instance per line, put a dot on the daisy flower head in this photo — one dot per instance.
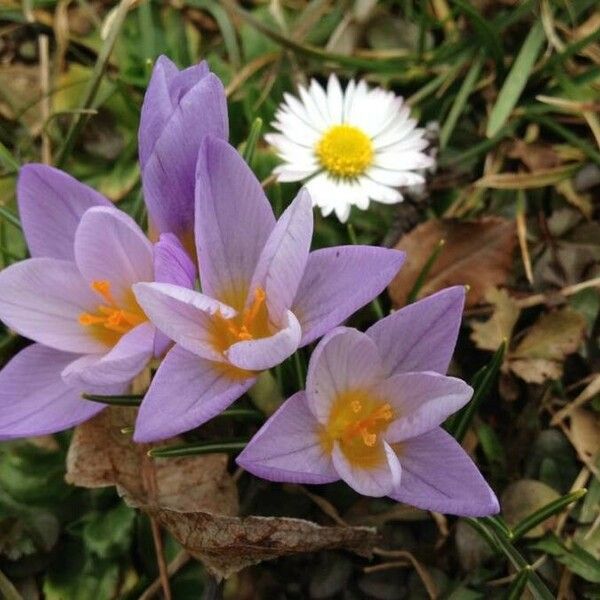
[349, 147]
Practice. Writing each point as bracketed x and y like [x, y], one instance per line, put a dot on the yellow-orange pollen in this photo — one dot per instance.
[109, 315]
[356, 421]
[249, 324]
[345, 151]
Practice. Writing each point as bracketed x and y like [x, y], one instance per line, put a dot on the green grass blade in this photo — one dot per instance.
[515, 81]
[232, 447]
[250, 144]
[517, 587]
[482, 384]
[124, 400]
[487, 34]
[9, 162]
[10, 217]
[539, 516]
[94, 84]
[460, 101]
[416, 288]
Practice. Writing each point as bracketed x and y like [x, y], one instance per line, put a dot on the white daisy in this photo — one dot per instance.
[350, 147]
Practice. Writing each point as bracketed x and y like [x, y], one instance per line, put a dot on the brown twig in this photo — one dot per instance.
[46, 99]
[160, 558]
[179, 561]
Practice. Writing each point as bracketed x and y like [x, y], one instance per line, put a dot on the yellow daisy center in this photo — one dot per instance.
[356, 421]
[111, 321]
[345, 151]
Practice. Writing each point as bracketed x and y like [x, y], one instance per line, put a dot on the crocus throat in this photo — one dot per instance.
[111, 321]
[356, 422]
[249, 324]
[345, 151]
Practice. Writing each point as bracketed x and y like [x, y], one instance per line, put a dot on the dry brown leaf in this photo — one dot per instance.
[195, 499]
[535, 156]
[228, 544]
[100, 455]
[476, 253]
[522, 498]
[540, 354]
[488, 335]
[585, 433]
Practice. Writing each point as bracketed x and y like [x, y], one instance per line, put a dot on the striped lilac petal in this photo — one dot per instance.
[345, 359]
[233, 221]
[186, 391]
[34, 400]
[283, 259]
[421, 401]
[438, 475]
[287, 447]
[42, 299]
[377, 481]
[183, 315]
[421, 336]
[264, 353]
[120, 365]
[166, 88]
[51, 203]
[172, 264]
[110, 246]
[172, 130]
[338, 281]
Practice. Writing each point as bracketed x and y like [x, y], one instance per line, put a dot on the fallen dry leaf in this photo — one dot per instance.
[100, 455]
[540, 354]
[195, 499]
[228, 544]
[476, 253]
[488, 335]
[522, 498]
[584, 430]
[535, 156]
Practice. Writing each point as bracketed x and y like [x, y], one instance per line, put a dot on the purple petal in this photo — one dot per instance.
[421, 336]
[34, 400]
[42, 299]
[172, 264]
[51, 203]
[338, 281]
[169, 160]
[438, 475]
[128, 357]
[345, 359]
[110, 246]
[233, 222]
[186, 391]
[264, 353]
[183, 315]
[287, 447]
[421, 402]
[166, 88]
[283, 259]
[376, 481]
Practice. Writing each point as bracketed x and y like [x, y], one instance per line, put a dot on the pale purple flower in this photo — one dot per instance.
[263, 295]
[74, 296]
[371, 415]
[180, 108]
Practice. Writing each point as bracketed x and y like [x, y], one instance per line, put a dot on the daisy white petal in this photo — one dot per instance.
[349, 147]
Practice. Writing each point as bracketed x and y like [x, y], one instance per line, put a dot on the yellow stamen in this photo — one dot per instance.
[249, 324]
[111, 321]
[356, 421]
[345, 151]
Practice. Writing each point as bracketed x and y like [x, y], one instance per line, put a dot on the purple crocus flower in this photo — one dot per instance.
[371, 415]
[180, 108]
[74, 299]
[263, 295]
